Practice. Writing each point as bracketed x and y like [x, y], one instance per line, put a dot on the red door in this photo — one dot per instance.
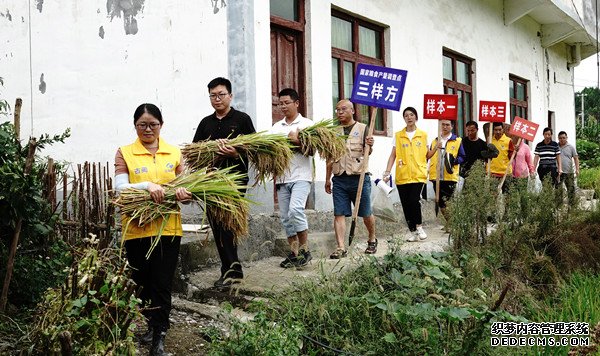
[286, 66]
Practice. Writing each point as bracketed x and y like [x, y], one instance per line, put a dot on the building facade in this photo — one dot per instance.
[88, 65]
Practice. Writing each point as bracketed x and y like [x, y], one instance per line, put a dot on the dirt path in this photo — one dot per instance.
[199, 311]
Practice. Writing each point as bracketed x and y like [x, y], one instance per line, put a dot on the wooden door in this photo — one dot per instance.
[286, 66]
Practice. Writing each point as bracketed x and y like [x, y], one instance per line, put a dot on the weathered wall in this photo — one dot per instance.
[91, 63]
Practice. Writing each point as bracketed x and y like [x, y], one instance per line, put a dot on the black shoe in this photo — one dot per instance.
[304, 257]
[146, 338]
[158, 343]
[290, 261]
[224, 282]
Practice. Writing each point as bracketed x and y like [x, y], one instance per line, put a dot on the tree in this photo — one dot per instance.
[591, 103]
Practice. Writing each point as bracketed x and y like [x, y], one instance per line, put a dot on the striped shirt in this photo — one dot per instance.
[547, 153]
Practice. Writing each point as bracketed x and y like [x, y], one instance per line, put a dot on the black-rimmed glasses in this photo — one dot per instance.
[145, 125]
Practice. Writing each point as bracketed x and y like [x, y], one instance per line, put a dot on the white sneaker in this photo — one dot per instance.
[412, 236]
[420, 233]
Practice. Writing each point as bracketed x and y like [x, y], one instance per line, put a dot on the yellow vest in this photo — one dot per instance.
[498, 165]
[158, 168]
[411, 157]
[352, 160]
[452, 147]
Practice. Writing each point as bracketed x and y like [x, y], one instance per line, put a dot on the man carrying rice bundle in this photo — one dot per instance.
[294, 185]
[225, 123]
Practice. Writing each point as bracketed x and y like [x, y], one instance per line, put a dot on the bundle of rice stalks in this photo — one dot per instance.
[270, 154]
[323, 137]
[218, 190]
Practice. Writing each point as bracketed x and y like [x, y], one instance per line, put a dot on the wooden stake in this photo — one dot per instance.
[17, 118]
[361, 180]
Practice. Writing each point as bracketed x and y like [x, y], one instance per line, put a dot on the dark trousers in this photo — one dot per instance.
[568, 179]
[224, 239]
[447, 188]
[154, 276]
[543, 172]
[410, 198]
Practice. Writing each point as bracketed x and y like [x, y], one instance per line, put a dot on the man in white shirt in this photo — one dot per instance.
[294, 186]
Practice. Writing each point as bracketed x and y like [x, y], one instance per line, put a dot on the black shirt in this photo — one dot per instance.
[472, 152]
[235, 123]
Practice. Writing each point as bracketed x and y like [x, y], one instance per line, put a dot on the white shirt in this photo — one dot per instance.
[300, 167]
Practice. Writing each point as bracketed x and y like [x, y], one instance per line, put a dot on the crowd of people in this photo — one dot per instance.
[446, 160]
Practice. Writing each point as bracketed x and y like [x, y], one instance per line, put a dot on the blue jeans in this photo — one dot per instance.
[344, 195]
[292, 200]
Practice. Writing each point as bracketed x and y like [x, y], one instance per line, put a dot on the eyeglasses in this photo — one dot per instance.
[285, 103]
[221, 96]
[145, 125]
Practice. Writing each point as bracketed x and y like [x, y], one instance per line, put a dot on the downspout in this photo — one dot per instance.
[575, 57]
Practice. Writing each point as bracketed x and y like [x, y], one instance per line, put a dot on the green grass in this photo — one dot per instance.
[579, 300]
[589, 178]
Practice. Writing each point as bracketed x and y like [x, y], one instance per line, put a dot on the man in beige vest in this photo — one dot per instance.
[346, 175]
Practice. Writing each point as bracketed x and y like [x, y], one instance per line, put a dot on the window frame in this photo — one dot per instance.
[455, 86]
[355, 58]
[524, 104]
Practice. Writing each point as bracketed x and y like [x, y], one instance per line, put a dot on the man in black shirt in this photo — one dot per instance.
[475, 149]
[223, 124]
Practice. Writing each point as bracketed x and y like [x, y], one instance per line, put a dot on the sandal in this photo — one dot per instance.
[338, 253]
[371, 247]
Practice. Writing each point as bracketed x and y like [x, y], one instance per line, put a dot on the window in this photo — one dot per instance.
[458, 79]
[355, 41]
[286, 9]
[518, 97]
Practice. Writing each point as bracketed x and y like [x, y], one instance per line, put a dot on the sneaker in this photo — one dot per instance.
[371, 247]
[420, 233]
[412, 236]
[304, 257]
[224, 282]
[290, 261]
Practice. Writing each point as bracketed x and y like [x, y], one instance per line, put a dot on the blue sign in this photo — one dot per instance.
[377, 86]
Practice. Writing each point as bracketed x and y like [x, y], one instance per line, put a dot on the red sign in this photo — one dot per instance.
[494, 111]
[523, 128]
[440, 106]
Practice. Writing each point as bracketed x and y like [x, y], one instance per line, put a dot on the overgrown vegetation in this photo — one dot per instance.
[41, 257]
[85, 309]
[590, 179]
[508, 254]
[92, 313]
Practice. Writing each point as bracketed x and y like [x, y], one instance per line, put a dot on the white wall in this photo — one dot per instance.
[94, 84]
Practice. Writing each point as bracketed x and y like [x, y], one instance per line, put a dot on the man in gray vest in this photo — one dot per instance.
[346, 176]
[568, 154]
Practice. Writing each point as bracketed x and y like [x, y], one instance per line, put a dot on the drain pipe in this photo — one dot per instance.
[575, 57]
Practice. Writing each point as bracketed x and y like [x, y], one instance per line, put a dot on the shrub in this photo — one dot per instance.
[589, 153]
[40, 259]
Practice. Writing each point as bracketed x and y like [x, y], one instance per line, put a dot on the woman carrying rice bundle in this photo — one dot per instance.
[146, 164]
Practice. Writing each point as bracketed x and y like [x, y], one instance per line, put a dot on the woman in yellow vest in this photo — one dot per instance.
[146, 164]
[410, 156]
[449, 161]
